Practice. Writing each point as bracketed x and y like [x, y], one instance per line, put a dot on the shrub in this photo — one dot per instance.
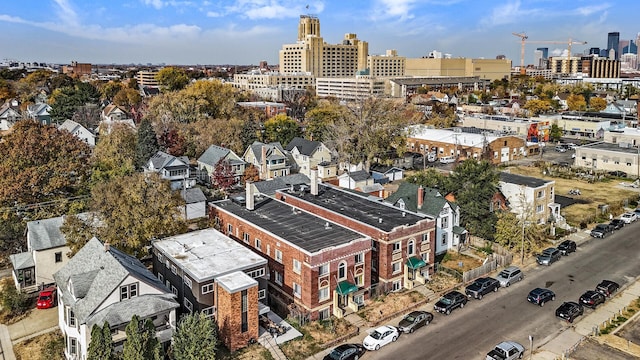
[14, 302]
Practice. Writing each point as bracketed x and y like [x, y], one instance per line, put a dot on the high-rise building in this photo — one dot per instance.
[545, 52]
[594, 51]
[310, 54]
[613, 40]
[630, 48]
[386, 65]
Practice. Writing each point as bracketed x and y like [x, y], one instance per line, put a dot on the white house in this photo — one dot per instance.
[79, 131]
[195, 203]
[101, 284]
[355, 179]
[306, 155]
[174, 169]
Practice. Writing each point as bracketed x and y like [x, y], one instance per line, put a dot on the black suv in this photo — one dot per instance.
[481, 287]
[607, 287]
[569, 311]
[566, 247]
[450, 301]
[617, 224]
[548, 256]
[592, 299]
[601, 230]
[539, 296]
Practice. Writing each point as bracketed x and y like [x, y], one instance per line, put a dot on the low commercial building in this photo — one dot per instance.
[535, 129]
[350, 88]
[603, 156]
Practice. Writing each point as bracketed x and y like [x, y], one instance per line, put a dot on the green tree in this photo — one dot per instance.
[110, 89]
[127, 98]
[576, 102]
[514, 235]
[537, 107]
[41, 163]
[146, 144]
[65, 101]
[195, 338]
[114, 154]
[597, 103]
[281, 128]
[141, 343]
[101, 345]
[172, 79]
[319, 119]
[78, 231]
[474, 183]
[429, 178]
[555, 134]
[13, 302]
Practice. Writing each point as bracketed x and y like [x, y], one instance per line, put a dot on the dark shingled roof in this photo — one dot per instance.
[214, 153]
[296, 226]
[376, 214]
[433, 201]
[359, 175]
[193, 195]
[305, 147]
[522, 180]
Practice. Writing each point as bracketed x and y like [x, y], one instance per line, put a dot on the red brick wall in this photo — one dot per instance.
[229, 317]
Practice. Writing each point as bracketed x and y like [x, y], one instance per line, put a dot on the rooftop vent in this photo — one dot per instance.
[327, 225]
[380, 220]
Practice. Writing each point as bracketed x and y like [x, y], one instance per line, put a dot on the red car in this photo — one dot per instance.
[47, 298]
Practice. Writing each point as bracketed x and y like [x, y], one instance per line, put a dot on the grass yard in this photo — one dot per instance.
[391, 303]
[592, 194]
[315, 335]
[49, 346]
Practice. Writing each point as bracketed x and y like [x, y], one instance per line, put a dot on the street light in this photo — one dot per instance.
[530, 347]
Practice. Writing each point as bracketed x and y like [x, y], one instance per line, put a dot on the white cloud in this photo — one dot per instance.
[66, 13]
[593, 9]
[213, 14]
[273, 9]
[158, 4]
[401, 9]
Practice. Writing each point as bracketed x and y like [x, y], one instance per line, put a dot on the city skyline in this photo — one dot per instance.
[193, 32]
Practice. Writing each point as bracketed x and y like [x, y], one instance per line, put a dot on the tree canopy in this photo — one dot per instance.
[146, 143]
[114, 154]
[141, 343]
[195, 338]
[172, 79]
[281, 128]
[101, 345]
[597, 103]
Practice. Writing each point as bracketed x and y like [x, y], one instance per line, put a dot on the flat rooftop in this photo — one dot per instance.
[361, 208]
[296, 226]
[528, 181]
[609, 147]
[208, 254]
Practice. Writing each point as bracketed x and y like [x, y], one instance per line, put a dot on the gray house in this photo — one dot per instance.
[208, 160]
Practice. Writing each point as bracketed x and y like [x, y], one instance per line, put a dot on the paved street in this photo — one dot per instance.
[471, 332]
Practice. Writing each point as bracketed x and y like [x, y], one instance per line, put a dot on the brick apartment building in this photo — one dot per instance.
[213, 274]
[403, 247]
[317, 268]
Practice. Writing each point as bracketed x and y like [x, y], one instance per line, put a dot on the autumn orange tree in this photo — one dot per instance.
[40, 163]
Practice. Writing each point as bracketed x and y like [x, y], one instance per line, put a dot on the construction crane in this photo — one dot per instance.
[523, 39]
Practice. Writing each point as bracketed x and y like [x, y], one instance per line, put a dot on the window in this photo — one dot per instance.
[256, 273]
[277, 277]
[297, 290]
[58, 257]
[187, 282]
[188, 305]
[426, 237]
[396, 246]
[174, 270]
[397, 285]
[323, 294]
[539, 208]
[258, 244]
[72, 318]
[207, 288]
[324, 314]
[359, 279]
[540, 194]
[444, 239]
[425, 257]
[73, 346]
[160, 258]
[128, 291]
[411, 248]
[210, 311]
[359, 258]
[245, 237]
[323, 270]
[229, 229]
[268, 250]
[395, 267]
[296, 266]
[174, 290]
[342, 271]
[444, 221]
[245, 310]
[358, 299]
[262, 294]
[278, 254]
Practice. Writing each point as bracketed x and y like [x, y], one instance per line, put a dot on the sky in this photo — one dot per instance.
[208, 32]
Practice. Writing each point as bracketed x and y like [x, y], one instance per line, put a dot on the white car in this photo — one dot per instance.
[629, 217]
[380, 336]
[506, 350]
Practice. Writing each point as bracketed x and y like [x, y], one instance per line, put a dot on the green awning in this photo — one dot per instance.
[415, 263]
[459, 230]
[346, 288]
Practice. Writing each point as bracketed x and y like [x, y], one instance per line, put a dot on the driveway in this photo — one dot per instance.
[38, 321]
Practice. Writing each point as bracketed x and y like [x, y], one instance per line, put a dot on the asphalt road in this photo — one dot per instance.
[471, 332]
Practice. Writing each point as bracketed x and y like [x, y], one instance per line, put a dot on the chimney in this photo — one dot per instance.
[420, 196]
[264, 173]
[249, 200]
[314, 182]
[107, 247]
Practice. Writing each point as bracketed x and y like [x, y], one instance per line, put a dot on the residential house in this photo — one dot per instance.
[79, 131]
[270, 159]
[195, 203]
[9, 114]
[403, 247]
[429, 201]
[530, 197]
[327, 170]
[208, 160]
[172, 168]
[213, 274]
[113, 112]
[384, 174]
[317, 268]
[307, 154]
[40, 112]
[102, 284]
[355, 179]
[46, 253]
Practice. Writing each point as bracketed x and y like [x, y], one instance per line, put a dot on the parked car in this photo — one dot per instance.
[509, 276]
[540, 296]
[482, 287]
[380, 336]
[414, 320]
[601, 231]
[47, 298]
[566, 247]
[548, 256]
[506, 350]
[571, 146]
[450, 301]
[617, 173]
[591, 299]
[569, 311]
[607, 287]
[617, 224]
[629, 217]
[637, 212]
[560, 148]
[346, 352]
